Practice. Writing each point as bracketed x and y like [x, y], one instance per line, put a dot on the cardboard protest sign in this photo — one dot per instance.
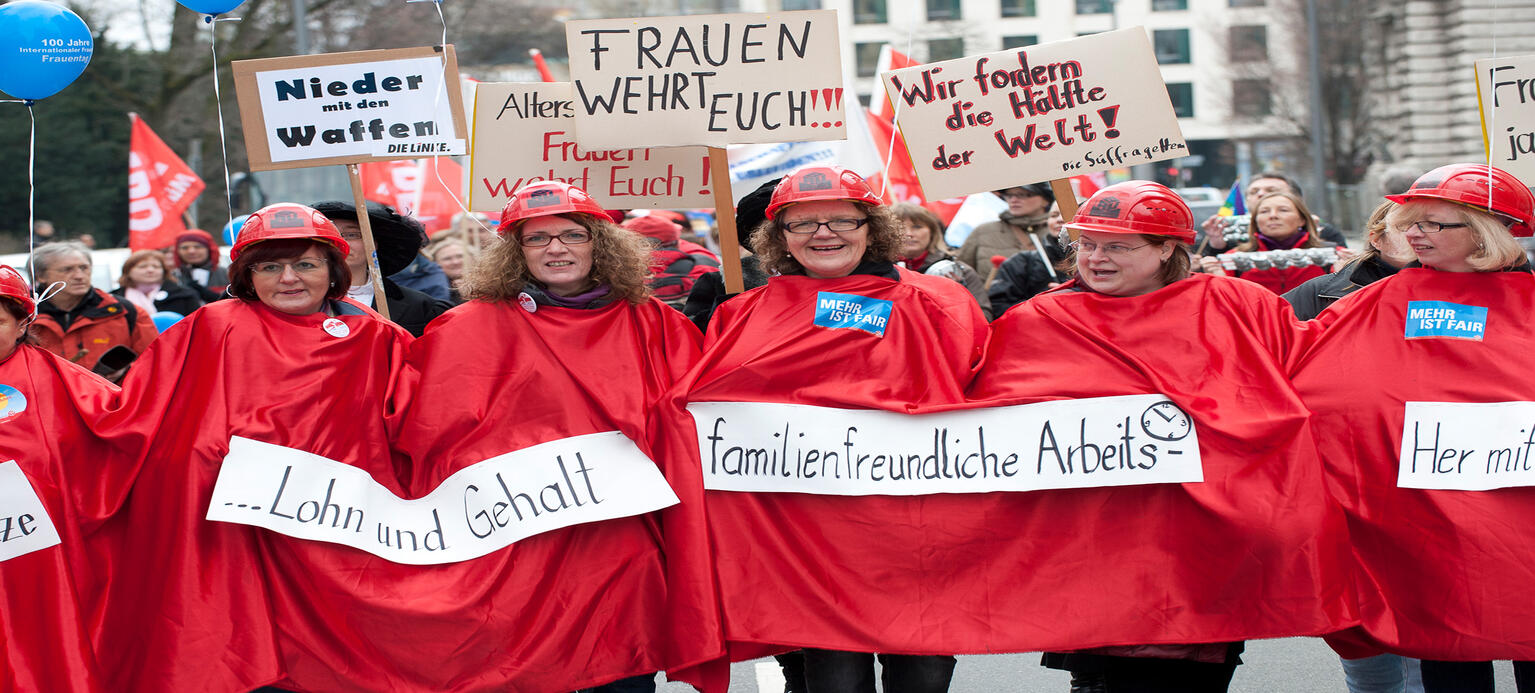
[524, 133]
[1505, 87]
[344, 108]
[709, 79]
[1033, 114]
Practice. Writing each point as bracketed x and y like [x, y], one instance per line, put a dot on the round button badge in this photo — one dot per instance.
[527, 302]
[335, 328]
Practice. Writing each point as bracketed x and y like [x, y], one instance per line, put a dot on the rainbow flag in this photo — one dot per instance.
[1234, 205]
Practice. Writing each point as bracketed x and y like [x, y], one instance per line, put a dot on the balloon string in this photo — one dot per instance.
[31, 201]
[442, 87]
[213, 44]
[884, 185]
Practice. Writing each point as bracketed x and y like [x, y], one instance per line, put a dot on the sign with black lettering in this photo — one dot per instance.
[1505, 89]
[477, 510]
[24, 523]
[1083, 443]
[1031, 114]
[525, 133]
[1467, 446]
[346, 108]
[707, 79]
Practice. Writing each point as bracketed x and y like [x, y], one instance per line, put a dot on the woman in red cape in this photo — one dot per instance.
[1444, 573]
[192, 604]
[876, 559]
[45, 450]
[561, 338]
[1254, 551]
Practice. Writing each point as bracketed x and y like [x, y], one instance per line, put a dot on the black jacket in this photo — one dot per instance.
[410, 308]
[709, 291]
[1315, 295]
[178, 298]
[1019, 278]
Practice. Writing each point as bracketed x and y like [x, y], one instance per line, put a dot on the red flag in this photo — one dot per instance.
[543, 67]
[1443, 574]
[1256, 550]
[427, 189]
[889, 59]
[160, 187]
[45, 402]
[866, 573]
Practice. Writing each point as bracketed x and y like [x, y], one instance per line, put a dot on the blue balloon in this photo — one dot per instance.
[210, 7]
[43, 47]
[232, 229]
[165, 318]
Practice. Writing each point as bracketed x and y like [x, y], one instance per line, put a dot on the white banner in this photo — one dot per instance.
[706, 79]
[477, 510]
[1467, 446]
[794, 448]
[24, 523]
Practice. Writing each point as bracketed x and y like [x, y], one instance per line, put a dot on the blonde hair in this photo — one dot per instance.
[912, 213]
[1313, 239]
[1496, 248]
[772, 249]
[620, 259]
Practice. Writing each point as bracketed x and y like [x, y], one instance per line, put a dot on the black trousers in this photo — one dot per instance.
[1472, 677]
[835, 671]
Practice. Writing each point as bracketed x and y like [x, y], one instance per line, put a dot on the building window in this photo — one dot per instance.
[942, 10]
[1250, 98]
[1169, 5]
[1248, 3]
[1011, 42]
[1172, 46]
[1182, 96]
[1249, 43]
[791, 5]
[1018, 8]
[869, 12]
[866, 57]
[945, 49]
[1095, 6]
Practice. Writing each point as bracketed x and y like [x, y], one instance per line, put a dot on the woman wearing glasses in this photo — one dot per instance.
[1194, 568]
[292, 363]
[839, 327]
[560, 338]
[1444, 348]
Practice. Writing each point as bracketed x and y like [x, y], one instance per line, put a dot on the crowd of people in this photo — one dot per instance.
[570, 320]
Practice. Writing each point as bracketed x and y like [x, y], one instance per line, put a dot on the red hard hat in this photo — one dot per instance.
[288, 220]
[547, 198]
[1484, 187]
[13, 286]
[1135, 207]
[820, 183]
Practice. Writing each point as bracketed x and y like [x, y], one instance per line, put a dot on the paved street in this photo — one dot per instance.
[1292, 665]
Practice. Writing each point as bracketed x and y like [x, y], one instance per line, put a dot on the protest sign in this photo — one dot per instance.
[24, 523]
[344, 108]
[1083, 443]
[477, 510]
[709, 79]
[1033, 114]
[1505, 89]
[525, 133]
[1467, 446]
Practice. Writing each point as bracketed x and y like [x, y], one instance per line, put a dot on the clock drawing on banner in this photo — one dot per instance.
[1165, 421]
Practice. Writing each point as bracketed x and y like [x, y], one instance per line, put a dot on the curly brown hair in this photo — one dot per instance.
[620, 259]
[772, 249]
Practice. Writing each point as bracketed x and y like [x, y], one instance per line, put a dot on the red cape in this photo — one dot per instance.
[1442, 574]
[192, 604]
[1254, 551]
[44, 631]
[866, 573]
[577, 606]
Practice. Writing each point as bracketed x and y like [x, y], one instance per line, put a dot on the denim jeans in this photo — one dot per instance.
[1384, 673]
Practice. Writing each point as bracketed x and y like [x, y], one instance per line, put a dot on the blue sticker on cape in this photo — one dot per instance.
[1446, 320]
[12, 403]
[852, 312]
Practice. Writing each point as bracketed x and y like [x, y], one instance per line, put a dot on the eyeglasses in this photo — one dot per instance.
[273, 269]
[539, 240]
[1431, 226]
[1086, 247]
[351, 236]
[834, 225]
[1016, 195]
